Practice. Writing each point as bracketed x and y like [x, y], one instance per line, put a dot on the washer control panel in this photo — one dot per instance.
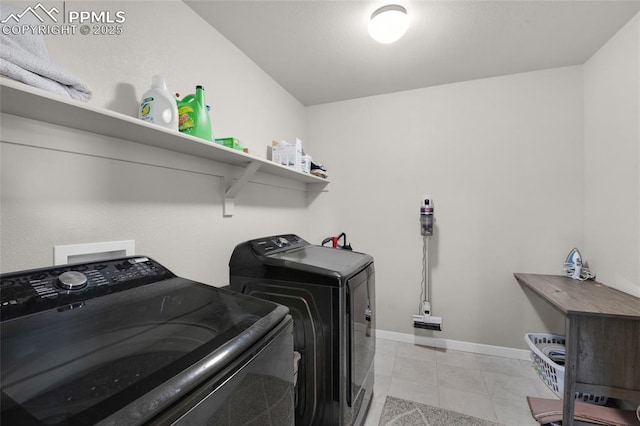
[26, 292]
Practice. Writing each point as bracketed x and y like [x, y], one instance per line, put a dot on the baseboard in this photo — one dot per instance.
[454, 344]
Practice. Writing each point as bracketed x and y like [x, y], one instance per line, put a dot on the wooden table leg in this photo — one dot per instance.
[570, 369]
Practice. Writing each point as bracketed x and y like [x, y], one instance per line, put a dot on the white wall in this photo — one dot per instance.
[612, 160]
[112, 190]
[503, 160]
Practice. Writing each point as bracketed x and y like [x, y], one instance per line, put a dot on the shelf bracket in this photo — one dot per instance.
[236, 187]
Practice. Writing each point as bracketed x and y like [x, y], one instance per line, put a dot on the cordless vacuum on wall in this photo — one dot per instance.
[424, 319]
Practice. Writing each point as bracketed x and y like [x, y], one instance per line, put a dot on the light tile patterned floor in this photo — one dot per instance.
[483, 386]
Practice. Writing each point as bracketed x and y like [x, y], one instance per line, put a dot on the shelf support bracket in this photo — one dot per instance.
[236, 187]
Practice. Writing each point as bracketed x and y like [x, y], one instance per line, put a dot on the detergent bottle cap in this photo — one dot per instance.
[200, 96]
[158, 82]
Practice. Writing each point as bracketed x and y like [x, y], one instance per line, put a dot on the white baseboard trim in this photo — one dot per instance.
[457, 345]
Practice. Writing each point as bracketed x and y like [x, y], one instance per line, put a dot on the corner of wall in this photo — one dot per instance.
[612, 160]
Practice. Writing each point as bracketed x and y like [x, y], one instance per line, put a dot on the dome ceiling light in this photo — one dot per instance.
[388, 23]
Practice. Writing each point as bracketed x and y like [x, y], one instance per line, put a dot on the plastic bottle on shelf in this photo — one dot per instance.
[193, 115]
[158, 106]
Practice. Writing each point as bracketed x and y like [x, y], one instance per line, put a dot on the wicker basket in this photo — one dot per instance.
[550, 372]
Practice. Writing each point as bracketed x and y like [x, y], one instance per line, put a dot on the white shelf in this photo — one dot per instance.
[26, 101]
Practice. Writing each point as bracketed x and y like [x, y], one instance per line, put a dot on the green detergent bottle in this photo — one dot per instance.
[193, 117]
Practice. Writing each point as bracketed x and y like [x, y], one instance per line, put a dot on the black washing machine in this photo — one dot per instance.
[331, 296]
[126, 342]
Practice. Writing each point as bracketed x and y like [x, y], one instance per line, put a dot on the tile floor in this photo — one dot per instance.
[488, 387]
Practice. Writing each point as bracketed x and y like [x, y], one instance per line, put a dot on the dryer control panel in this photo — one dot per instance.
[36, 290]
[277, 243]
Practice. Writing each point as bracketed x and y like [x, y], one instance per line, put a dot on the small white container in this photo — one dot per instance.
[306, 164]
[158, 106]
[289, 155]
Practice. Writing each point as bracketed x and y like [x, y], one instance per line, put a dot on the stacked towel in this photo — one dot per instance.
[24, 57]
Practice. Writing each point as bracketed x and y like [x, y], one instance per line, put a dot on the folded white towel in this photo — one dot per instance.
[24, 57]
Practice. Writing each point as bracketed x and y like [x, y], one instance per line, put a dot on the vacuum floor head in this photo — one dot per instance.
[427, 322]
[427, 325]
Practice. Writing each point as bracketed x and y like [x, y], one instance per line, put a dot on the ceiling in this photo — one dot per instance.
[320, 51]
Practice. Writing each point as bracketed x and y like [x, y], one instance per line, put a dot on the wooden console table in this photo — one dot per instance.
[602, 337]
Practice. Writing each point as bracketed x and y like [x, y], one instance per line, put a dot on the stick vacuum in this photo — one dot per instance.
[424, 319]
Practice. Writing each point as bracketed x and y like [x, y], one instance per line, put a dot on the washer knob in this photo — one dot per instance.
[72, 280]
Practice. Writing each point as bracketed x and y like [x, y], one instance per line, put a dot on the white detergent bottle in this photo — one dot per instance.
[158, 106]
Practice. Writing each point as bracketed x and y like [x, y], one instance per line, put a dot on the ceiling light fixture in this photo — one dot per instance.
[388, 23]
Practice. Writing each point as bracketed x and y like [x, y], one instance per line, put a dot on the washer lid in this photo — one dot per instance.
[321, 260]
[82, 365]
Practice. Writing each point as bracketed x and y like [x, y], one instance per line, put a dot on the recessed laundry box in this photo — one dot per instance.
[330, 294]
